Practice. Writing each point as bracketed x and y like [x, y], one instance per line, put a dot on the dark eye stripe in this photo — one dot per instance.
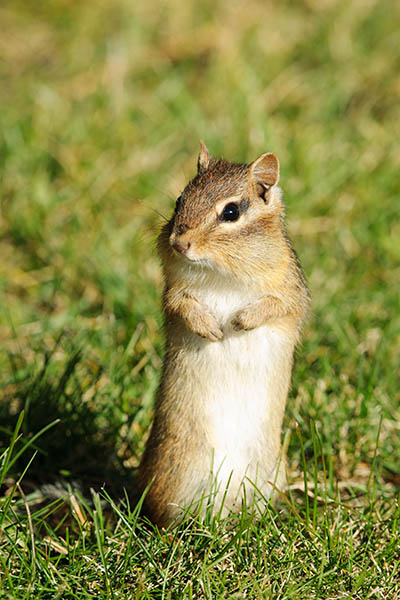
[244, 205]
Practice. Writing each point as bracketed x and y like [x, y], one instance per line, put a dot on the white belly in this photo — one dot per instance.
[245, 378]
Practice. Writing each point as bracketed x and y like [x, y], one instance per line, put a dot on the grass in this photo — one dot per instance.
[102, 107]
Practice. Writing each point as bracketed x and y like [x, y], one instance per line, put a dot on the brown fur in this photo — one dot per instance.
[249, 258]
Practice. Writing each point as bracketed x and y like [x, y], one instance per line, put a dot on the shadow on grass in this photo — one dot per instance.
[86, 442]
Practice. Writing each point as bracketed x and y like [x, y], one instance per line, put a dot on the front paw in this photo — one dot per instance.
[246, 319]
[213, 335]
[206, 326]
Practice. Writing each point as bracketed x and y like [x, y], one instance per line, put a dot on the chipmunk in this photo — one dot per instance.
[234, 301]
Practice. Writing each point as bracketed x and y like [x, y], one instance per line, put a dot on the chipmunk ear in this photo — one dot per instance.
[204, 158]
[265, 170]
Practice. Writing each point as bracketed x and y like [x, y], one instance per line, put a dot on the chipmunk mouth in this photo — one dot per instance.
[188, 257]
[191, 260]
[185, 250]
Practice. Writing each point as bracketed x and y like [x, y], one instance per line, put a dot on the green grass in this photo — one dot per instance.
[102, 106]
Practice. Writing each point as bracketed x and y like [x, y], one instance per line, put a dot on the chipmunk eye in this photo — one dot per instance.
[231, 212]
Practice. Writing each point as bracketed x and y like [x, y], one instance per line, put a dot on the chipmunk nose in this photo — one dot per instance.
[181, 246]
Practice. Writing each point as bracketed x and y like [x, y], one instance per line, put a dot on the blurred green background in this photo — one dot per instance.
[102, 105]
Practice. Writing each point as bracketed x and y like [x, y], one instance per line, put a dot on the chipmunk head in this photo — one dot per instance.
[228, 213]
